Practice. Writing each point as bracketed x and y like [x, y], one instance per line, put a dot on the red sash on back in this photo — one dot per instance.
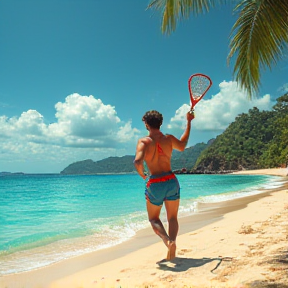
[160, 179]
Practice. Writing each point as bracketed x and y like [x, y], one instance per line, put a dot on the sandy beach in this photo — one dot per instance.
[238, 243]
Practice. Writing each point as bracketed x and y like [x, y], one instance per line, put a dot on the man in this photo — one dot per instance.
[156, 151]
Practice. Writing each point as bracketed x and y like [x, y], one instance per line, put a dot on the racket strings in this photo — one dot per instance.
[199, 84]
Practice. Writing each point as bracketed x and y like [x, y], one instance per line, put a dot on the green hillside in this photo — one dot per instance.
[109, 165]
[188, 157]
[254, 140]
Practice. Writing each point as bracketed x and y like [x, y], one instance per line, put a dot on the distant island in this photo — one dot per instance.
[4, 173]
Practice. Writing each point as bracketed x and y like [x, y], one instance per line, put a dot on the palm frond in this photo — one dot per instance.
[175, 10]
[258, 39]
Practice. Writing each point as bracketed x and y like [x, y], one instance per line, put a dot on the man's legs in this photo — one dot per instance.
[153, 215]
[172, 212]
[172, 217]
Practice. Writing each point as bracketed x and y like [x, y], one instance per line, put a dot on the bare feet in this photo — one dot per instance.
[171, 250]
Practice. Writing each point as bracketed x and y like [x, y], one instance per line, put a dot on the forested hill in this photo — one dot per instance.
[254, 140]
[180, 160]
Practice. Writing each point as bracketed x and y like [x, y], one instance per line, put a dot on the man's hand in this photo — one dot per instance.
[145, 177]
[190, 115]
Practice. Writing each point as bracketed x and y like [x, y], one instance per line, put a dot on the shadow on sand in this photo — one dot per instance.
[183, 264]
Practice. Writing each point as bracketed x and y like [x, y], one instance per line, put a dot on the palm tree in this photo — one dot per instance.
[257, 40]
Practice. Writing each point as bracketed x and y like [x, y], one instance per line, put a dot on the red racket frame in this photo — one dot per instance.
[195, 101]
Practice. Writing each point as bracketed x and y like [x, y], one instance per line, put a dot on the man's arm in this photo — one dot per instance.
[139, 158]
[181, 144]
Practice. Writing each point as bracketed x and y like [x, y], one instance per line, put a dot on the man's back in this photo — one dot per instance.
[156, 149]
[158, 153]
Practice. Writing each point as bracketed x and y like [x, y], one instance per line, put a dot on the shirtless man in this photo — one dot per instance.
[162, 186]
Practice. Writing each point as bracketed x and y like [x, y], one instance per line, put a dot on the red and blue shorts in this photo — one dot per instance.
[160, 188]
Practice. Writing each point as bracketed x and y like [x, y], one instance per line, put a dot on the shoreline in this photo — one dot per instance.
[73, 270]
[270, 171]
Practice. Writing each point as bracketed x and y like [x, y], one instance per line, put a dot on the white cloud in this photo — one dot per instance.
[219, 111]
[30, 123]
[82, 122]
[86, 117]
[126, 132]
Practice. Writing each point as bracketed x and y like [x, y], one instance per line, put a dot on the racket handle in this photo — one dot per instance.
[191, 111]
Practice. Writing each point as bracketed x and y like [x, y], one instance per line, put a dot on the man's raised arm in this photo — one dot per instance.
[181, 144]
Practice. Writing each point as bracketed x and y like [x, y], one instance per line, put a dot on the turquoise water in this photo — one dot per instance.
[48, 218]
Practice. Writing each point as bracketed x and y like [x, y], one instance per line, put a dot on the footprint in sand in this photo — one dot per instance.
[125, 270]
[183, 251]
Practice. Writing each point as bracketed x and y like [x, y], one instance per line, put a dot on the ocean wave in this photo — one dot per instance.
[87, 232]
[38, 254]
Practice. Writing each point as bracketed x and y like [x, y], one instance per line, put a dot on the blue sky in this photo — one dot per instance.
[76, 76]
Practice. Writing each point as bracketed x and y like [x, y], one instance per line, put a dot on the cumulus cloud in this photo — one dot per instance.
[84, 126]
[82, 121]
[86, 117]
[219, 111]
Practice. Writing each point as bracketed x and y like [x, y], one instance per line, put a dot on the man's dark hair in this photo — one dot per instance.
[153, 118]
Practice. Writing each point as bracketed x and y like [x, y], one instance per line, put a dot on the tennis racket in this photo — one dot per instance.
[198, 85]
